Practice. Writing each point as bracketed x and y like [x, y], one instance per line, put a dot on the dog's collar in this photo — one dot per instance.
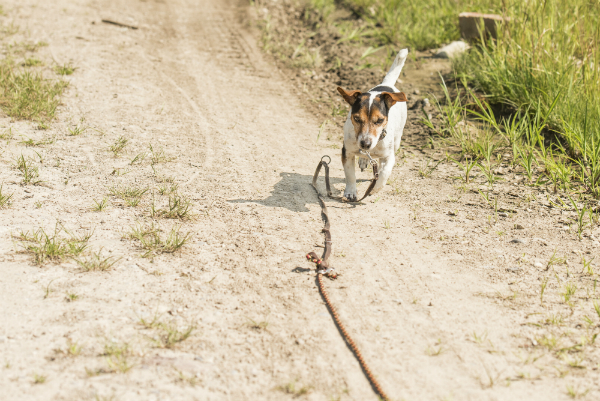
[383, 134]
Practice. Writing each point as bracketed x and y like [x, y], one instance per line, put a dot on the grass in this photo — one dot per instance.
[291, 388]
[167, 334]
[100, 206]
[29, 172]
[96, 262]
[53, 247]
[65, 69]
[150, 239]
[5, 198]
[178, 208]
[39, 379]
[117, 355]
[119, 146]
[131, 195]
[159, 156]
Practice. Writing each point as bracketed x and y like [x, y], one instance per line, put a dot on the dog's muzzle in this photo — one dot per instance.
[366, 143]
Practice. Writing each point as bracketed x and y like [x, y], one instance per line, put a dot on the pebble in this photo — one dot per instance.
[502, 214]
[538, 265]
[517, 241]
[519, 227]
[398, 300]
[515, 269]
[417, 92]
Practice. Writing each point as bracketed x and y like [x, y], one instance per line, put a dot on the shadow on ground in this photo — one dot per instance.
[293, 192]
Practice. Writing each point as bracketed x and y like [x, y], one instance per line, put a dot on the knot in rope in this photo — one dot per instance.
[322, 267]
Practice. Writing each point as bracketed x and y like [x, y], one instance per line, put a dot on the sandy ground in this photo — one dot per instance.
[421, 291]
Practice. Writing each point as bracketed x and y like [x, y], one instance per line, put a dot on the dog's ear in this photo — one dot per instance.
[349, 96]
[391, 99]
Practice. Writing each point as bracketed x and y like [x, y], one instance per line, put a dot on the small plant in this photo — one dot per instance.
[466, 168]
[158, 156]
[79, 129]
[263, 325]
[28, 170]
[71, 297]
[575, 393]
[65, 69]
[386, 225]
[170, 335]
[53, 247]
[555, 260]
[149, 238]
[178, 208]
[96, 262]
[118, 146]
[191, 380]
[39, 379]
[73, 349]
[48, 290]
[427, 168]
[290, 388]
[138, 158]
[7, 135]
[5, 198]
[116, 356]
[100, 206]
[581, 213]
[543, 285]
[131, 195]
[570, 289]
[587, 265]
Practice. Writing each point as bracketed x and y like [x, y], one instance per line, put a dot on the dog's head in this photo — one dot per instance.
[369, 113]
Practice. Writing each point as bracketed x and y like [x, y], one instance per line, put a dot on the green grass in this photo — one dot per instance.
[150, 239]
[53, 247]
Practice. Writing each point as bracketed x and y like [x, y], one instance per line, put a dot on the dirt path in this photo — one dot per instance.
[192, 82]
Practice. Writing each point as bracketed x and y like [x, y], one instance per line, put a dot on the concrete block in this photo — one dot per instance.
[473, 24]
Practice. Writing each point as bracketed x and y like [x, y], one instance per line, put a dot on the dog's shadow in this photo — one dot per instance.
[294, 191]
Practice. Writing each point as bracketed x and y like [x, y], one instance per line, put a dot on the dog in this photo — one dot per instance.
[375, 124]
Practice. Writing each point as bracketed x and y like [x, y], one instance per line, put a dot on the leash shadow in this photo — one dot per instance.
[293, 192]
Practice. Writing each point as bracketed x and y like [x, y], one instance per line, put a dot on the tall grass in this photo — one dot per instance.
[547, 59]
[422, 24]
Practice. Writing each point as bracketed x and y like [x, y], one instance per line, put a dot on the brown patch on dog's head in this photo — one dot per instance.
[349, 96]
[391, 98]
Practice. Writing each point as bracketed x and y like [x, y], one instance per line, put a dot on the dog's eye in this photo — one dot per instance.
[379, 122]
[357, 119]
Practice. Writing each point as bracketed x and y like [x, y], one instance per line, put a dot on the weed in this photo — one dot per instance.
[116, 356]
[263, 325]
[466, 168]
[5, 198]
[53, 247]
[158, 156]
[191, 380]
[7, 135]
[79, 129]
[28, 170]
[138, 158]
[100, 206]
[386, 225]
[48, 290]
[65, 69]
[71, 297]
[150, 240]
[178, 208]
[73, 349]
[587, 266]
[96, 262]
[39, 379]
[131, 195]
[170, 335]
[119, 145]
[575, 393]
[543, 285]
[569, 291]
[597, 308]
[581, 213]
[555, 260]
[291, 388]
[427, 168]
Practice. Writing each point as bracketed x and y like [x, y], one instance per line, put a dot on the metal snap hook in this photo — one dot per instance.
[326, 156]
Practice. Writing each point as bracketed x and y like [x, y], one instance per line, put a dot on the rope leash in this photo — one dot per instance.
[323, 268]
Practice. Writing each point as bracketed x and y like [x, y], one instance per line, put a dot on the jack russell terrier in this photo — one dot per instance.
[374, 125]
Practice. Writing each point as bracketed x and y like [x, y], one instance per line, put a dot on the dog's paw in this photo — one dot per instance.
[350, 195]
[363, 163]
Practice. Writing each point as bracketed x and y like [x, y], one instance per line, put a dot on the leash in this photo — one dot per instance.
[323, 268]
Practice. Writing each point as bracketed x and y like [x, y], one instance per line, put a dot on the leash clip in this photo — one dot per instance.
[323, 161]
[371, 160]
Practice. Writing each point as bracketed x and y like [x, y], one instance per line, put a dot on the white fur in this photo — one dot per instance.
[385, 149]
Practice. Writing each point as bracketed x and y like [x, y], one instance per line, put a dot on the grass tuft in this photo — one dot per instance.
[96, 262]
[53, 247]
[149, 239]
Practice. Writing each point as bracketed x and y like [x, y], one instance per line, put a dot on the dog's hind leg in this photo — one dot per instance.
[363, 163]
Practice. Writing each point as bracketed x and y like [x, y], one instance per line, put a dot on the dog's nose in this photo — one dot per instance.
[365, 143]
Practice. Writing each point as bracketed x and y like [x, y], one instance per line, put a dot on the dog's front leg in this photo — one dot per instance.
[386, 166]
[350, 173]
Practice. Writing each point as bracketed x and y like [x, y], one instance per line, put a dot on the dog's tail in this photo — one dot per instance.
[396, 68]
